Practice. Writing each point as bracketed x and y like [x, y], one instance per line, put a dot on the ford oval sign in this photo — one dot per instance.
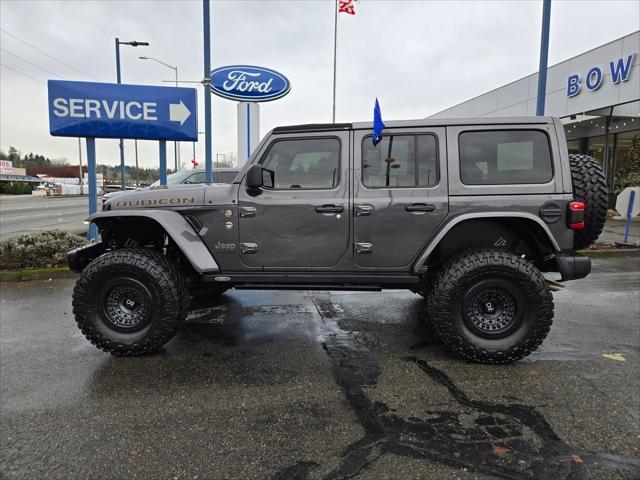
[249, 84]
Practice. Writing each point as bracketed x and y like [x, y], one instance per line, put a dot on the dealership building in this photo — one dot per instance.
[595, 94]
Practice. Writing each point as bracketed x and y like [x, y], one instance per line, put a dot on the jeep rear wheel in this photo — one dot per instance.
[590, 187]
[490, 306]
[130, 302]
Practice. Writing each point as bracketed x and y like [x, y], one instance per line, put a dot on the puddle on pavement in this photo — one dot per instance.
[502, 440]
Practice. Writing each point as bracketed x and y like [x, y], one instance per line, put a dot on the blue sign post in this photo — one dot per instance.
[107, 110]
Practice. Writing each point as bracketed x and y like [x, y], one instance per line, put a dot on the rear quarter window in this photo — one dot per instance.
[504, 157]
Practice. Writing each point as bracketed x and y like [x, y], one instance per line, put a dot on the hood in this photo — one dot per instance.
[158, 197]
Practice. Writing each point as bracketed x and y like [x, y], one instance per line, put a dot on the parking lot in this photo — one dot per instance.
[306, 385]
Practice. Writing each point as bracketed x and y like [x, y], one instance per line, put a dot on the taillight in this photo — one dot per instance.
[575, 218]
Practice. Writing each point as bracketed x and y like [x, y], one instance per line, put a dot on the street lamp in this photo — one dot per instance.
[176, 145]
[132, 43]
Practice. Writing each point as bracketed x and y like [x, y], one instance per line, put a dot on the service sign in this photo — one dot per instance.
[110, 110]
[249, 84]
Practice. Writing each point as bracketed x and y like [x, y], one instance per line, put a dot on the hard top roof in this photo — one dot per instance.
[422, 122]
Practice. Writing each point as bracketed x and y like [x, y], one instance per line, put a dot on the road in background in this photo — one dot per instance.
[20, 214]
[322, 385]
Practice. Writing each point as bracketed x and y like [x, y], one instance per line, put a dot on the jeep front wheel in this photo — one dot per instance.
[130, 302]
[490, 306]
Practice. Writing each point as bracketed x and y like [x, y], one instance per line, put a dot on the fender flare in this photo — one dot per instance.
[177, 228]
[434, 241]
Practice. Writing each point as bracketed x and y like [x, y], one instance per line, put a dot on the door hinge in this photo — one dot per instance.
[247, 212]
[364, 248]
[363, 210]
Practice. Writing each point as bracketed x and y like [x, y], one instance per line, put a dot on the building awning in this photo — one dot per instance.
[20, 178]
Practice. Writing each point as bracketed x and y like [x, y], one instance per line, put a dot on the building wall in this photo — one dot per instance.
[519, 98]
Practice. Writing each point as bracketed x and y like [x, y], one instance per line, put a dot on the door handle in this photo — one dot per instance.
[330, 209]
[419, 207]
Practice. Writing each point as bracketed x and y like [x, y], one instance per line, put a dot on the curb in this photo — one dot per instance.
[35, 274]
[611, 253]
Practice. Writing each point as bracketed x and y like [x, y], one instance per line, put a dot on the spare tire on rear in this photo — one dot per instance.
[590, 187]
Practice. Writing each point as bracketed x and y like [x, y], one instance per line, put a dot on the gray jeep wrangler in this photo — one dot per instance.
[467, 213]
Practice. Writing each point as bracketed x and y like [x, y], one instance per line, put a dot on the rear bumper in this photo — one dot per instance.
[573, 267]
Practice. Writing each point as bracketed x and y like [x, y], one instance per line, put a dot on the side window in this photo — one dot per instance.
[225, 177]
[400, 161]
[195, 178]
[310, 163]
[492, 157]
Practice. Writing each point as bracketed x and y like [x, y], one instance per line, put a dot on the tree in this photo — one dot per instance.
[59, 162]
[629, 174]
[14, 156]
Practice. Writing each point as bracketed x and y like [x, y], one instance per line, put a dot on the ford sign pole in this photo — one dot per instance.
[208, 175]
[544, 54]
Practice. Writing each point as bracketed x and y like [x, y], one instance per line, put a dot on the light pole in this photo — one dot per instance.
[132, 43]
[544, 55]
[176, 145]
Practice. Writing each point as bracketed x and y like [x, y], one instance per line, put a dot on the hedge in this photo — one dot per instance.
[15, 188]
[38, 250]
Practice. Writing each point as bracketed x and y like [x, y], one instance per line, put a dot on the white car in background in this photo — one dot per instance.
[220, 175]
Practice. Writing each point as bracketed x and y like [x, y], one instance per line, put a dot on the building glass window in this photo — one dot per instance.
[595, 148]
[627, 147]
[573, 146]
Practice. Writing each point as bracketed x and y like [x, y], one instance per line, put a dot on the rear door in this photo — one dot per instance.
[303, 221]
[400, 195]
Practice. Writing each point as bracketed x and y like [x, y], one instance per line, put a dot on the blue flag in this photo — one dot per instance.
[378, 126]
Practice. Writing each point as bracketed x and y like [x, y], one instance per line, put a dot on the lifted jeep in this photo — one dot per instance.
[467, 213]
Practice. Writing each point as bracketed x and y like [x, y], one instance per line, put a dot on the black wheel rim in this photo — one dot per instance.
[126, 304]
[492, 309]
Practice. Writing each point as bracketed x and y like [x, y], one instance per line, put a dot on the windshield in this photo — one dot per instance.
[172, 179]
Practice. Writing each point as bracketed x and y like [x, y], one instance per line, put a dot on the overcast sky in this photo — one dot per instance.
[417, 57]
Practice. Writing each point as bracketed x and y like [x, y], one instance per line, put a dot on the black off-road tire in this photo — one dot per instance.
[590, 187]
[130, 302]
[523, 306]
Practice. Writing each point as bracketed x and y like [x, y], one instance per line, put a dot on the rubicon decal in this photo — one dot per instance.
[248, 83]
[156, 202]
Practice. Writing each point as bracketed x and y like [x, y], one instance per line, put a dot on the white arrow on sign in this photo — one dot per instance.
[178, 112]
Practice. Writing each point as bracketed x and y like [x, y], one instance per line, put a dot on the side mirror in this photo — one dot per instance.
[259, 177]
[254, 177]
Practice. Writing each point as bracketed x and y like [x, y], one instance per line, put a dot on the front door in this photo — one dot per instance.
[400, 195]
[303, 221]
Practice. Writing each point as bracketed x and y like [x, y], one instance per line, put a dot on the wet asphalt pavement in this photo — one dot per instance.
[322, 385]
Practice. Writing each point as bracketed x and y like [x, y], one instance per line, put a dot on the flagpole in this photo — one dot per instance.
[335, 50]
